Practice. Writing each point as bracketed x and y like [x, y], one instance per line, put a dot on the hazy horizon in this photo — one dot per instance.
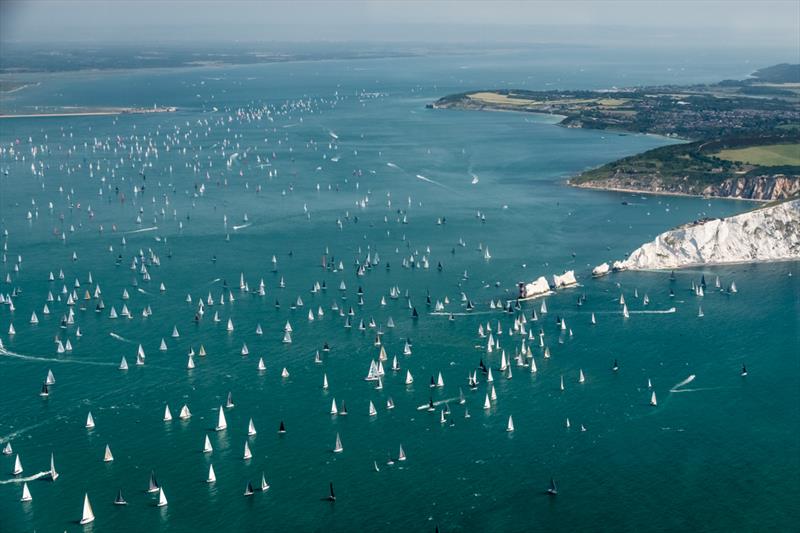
[650, 23]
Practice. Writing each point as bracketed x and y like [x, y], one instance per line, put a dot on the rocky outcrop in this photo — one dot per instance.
[770, 233]
[756, 188]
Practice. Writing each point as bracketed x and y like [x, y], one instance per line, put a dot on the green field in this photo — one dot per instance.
[769, 155]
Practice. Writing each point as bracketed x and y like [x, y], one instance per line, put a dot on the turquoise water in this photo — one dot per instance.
[721, 454]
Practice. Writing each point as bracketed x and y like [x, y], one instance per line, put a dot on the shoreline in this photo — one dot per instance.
[97, 113]
[663, 193]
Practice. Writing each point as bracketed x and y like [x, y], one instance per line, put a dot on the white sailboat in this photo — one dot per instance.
[372, 410]
[625, 312]
[251, 429]
[334, 409]
[207, 448]
[17, 466]
[167, 414]
[653, 400]
[108, 456]
[325, 381]
[212, 476]
[123, 364]
[221, 422]
[486, 403]
[264, 484]
[185, 414]
[88, 514]
[162, 498]
[26, 493]
[53, 472]
[247, 453]
[409, 378]
[338, 448]
[510, 426]
[89, 421]
[402, 455]
[581, 377]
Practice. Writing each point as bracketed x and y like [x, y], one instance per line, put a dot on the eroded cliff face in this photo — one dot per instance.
[767, 234]
[766, 188]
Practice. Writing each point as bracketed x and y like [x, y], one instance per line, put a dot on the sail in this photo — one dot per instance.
[510, 426]
[88, 514]
[247, 454]
[26, 493]
[153, 485]
[162, 498]
[89, 421]
[402, 455]
[53, 472]
[185, 413]
[167, 414]
[653, 400]
[338, 447]
[17, 466]
[212, 477]
[264, 484]
[108, 457]
[207, 448]
[251, 428]
[221, 422]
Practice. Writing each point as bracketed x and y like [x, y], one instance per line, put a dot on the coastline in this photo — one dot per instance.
[97, 113]
[663, 193]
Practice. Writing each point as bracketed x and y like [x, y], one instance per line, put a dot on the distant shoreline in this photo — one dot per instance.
[92, 113]
[664, 193]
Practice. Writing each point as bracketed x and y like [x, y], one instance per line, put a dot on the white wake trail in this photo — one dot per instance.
[682, 383]
[140, 230]
[24, 479]
[7, 353]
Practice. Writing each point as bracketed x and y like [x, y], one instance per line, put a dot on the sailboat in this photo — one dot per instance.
[561, 387]
[594, 321]
[7, 450]
[185, 414]
[17, 466]
[487, 404]
[331, 496]
[402, 455]
[153, 485]
[409, 378]
[338, 447]
[581, 377]
[119, 500]
[53, 472]
[212, 476]
[325, 381]
[247, 454]
[123, 364]
[26, 493]
[700, 313]
[50, 380]
[88, 514]
[510, 426]
[625, 312]
[221, 422]
[264, 484]
[167, 414]
[251, 428]
[261, 366]
[372, 410]
[653, 401]
[162, 498]
[108, 457]
[89, 421]
[553, 489]
[207, 448]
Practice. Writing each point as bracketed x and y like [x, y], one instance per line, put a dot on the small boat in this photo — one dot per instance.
[108, 456]
[26, 493]
[17, 466]
[53, 473]
[7, 450]
[162, 498]
[229, 402]
[581, 377]
[402, 455]
[372, 410]
[248, 491]
[510, 427]
[88, 514]
[553, 489]
[247, 453]
[264, 484]
[153, 485]
[207, 448]
[282, 428]
[744, 371]
[331, 496]
[251, 428]
[338, 448]
[167, 414]
[45, 392]
[221, 422]
[119, 500]
[89, 421]
[653, 400]
[185, 414]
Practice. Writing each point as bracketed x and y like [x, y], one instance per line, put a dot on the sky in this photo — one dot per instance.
[756, 23]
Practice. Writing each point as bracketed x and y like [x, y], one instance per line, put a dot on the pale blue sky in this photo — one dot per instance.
[731, 22]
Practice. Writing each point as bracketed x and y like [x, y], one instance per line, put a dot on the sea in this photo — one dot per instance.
[334, 174]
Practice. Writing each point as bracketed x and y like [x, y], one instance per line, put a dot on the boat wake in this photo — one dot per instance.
[24, 479]
[4, 352]
[120, 337]
[237, 228]
[445, 313]
[654, 311]
[682, 383]
[141, 230]
[437, 403]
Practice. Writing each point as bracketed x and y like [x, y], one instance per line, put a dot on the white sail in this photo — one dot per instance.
[251, 428]
[221, 423]
[247, 453]
[264, 484]
[88, 514]
[372, 410]
[51, 379]
[108, 456]
[123, 364]
[625, 311]
[185, 413]
[167, 414]
[338, 446]
[89, 421]
[409, 378]
[510, 426]
[334, 409]
[440, 381]
[653, 400]
[325, 381]
[487, 404]
[26, 493]
[53, 472]
[17, 466]
[261, 366]
[207, 448]
[162, 498]
[581, 377]
[402, 455]
[212, 477]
